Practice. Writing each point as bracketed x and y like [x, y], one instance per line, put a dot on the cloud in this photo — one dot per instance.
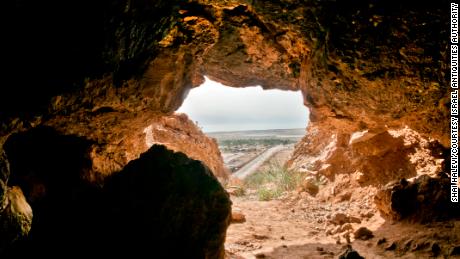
[221, 108]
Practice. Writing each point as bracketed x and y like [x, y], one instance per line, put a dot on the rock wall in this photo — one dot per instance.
[366, 64]
[162, 204]
[105, 71]
[423, 199]
[180, 134]
[371, 157]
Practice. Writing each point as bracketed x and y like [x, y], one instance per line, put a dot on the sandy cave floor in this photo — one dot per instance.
[296, 226]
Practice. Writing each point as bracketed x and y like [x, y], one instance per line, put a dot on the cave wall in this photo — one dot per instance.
[178, 133]
[162, 204]
[105, 71]
[368, 64]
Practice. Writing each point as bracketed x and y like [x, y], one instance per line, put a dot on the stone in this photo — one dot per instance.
[193, 142]
[345, 197]
[15, 217]
[368, 214]
[310, 185]
[340, 219]
[238, 217]
[363, 233]
[350, 253]
[400, 199]
[346, 227]
[152, 194]
[15, 213]
[355, 220]
[236, 191]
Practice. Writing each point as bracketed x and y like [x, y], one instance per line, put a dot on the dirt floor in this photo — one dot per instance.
[299, 225]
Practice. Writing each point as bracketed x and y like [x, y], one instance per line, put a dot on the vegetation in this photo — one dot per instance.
[266, 194]
[232, 144]
[271, 182]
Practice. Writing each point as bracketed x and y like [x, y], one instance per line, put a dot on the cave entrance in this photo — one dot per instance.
[257, 132]
[254, 127]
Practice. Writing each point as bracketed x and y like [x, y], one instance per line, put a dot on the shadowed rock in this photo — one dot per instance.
[423, 199]
[162, 204]
[350, 253]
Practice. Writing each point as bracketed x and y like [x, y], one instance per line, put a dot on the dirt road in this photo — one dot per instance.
[252, 166]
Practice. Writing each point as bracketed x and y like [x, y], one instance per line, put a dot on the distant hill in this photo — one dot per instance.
[258, 134]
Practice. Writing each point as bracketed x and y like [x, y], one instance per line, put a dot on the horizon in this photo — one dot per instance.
[215, 107]
[229, 131]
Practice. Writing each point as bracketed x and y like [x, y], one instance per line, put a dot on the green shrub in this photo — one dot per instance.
[266, 194]
[277, 177]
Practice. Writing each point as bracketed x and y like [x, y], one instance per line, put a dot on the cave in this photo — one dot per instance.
[93, 159]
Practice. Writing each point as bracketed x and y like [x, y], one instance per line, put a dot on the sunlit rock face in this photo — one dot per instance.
[177, 132]
[162, 204]
[371, 157]
[15, 213]
[104, 71]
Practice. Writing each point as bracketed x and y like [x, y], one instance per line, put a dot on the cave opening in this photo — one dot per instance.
[256, 131]
[219, 108]
[251, 125]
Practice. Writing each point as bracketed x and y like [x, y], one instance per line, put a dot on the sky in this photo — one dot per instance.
[221, 108]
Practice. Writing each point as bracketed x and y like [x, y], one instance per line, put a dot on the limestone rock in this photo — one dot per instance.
[15, 218]
[340, 219]
[310, 185]
[177, 132]
[15, 213]
[363, 233]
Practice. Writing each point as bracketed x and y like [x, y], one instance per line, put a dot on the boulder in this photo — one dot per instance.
[422, 199]
[363, 233]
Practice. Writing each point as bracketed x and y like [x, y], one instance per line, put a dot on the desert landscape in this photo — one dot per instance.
[239, 148]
